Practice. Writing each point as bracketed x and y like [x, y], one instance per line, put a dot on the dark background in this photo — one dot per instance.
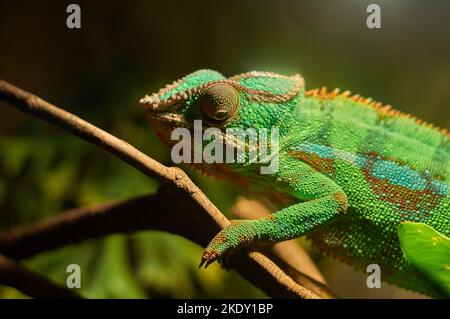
[126, 49]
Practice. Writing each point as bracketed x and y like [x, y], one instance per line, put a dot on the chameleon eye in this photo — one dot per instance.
[218, 102]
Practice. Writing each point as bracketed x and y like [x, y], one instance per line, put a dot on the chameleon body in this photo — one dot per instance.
[354, 168]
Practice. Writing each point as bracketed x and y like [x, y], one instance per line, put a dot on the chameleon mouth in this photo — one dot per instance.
[165, 122]
[170, 120]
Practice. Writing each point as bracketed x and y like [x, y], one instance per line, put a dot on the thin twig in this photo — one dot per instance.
[14, 274]
[32, 104]
[263, 272]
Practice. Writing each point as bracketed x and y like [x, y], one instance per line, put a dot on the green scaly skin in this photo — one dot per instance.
[355, 168]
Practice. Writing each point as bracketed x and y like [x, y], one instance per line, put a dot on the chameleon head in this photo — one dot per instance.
[249, 100]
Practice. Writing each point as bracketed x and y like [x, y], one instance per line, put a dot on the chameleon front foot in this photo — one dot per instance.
[208, 258]
[236, 235]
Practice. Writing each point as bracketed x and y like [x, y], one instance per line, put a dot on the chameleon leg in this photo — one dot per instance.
[322, 199]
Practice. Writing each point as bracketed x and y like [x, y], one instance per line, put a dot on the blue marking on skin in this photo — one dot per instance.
[439, 187]
[382, 169]
[317, 149]
[398, 175]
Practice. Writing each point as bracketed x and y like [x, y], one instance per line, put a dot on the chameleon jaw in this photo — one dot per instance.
[171, 119]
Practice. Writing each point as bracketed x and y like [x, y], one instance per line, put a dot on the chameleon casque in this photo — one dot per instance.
[354, 168]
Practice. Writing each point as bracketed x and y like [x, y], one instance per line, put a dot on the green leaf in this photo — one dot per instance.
[429, 252]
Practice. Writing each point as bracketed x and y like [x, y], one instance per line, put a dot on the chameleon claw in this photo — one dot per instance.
[207, 259]
[202, 262]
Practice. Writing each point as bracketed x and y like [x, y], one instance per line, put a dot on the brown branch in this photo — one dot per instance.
[170, 210]
[255, 267]
[34, 105]
[14, 274]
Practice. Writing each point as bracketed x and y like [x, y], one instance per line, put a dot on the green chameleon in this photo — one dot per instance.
[353, 169]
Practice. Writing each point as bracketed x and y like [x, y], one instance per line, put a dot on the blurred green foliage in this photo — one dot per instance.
[126, 49]
[428, 251]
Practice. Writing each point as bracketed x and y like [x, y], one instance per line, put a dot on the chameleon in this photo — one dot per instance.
[351, 169]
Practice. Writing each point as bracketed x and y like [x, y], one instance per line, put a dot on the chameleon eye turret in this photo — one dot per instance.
[218, 102]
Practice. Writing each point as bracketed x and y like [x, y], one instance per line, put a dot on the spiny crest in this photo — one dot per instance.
[383, 110]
